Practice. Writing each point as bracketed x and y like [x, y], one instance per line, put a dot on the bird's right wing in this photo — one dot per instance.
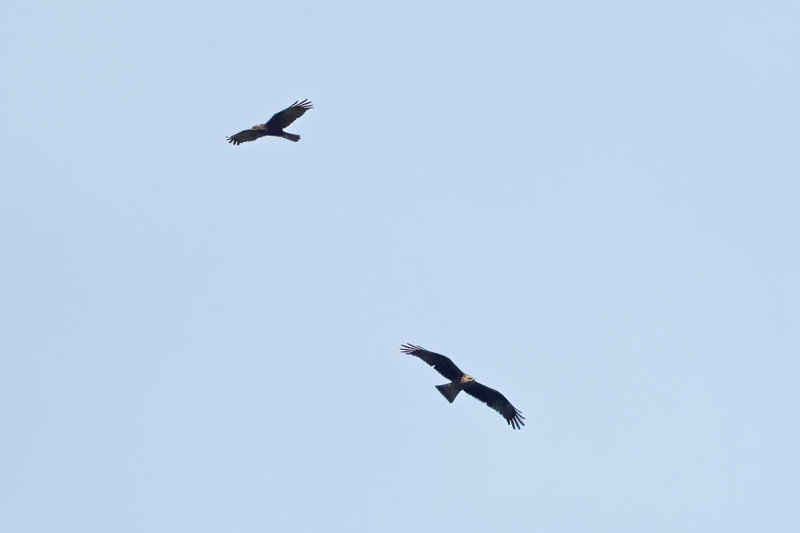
[441, 363]
[496, 401]
[282, 119]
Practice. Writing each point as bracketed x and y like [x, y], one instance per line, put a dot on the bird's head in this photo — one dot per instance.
[467, 379]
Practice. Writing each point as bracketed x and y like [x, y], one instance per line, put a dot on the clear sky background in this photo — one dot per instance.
[591, 206]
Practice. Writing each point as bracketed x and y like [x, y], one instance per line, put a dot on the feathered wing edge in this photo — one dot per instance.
[246, 136]
[284, 118]
[496, 401]
[441, 363]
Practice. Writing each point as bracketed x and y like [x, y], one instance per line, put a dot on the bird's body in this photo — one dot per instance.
[460, 381]
[274, 126]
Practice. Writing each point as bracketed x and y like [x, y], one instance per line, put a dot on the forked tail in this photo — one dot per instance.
[291, 136]
[449, 391]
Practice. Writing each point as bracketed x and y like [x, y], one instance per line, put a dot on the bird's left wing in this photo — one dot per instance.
[496, 401]
[247, 135]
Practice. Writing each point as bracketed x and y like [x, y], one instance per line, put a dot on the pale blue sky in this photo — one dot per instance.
[592, 207]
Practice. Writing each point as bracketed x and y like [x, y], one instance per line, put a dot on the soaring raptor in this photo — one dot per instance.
[275, 125]
[460, 381]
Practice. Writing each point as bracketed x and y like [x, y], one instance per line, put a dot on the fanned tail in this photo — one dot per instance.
[449, 391]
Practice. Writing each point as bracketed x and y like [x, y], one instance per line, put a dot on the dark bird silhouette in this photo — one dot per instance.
[460, 381]
[275, 125]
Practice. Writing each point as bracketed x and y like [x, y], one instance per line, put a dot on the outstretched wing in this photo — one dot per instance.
[283, 118]
[441, 363]
[496, 401]
[247, 135]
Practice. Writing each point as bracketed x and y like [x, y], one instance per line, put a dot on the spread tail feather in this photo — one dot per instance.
[449, 391]
[291, 136]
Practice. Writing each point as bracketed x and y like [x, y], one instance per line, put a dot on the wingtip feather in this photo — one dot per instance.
[410, 348]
